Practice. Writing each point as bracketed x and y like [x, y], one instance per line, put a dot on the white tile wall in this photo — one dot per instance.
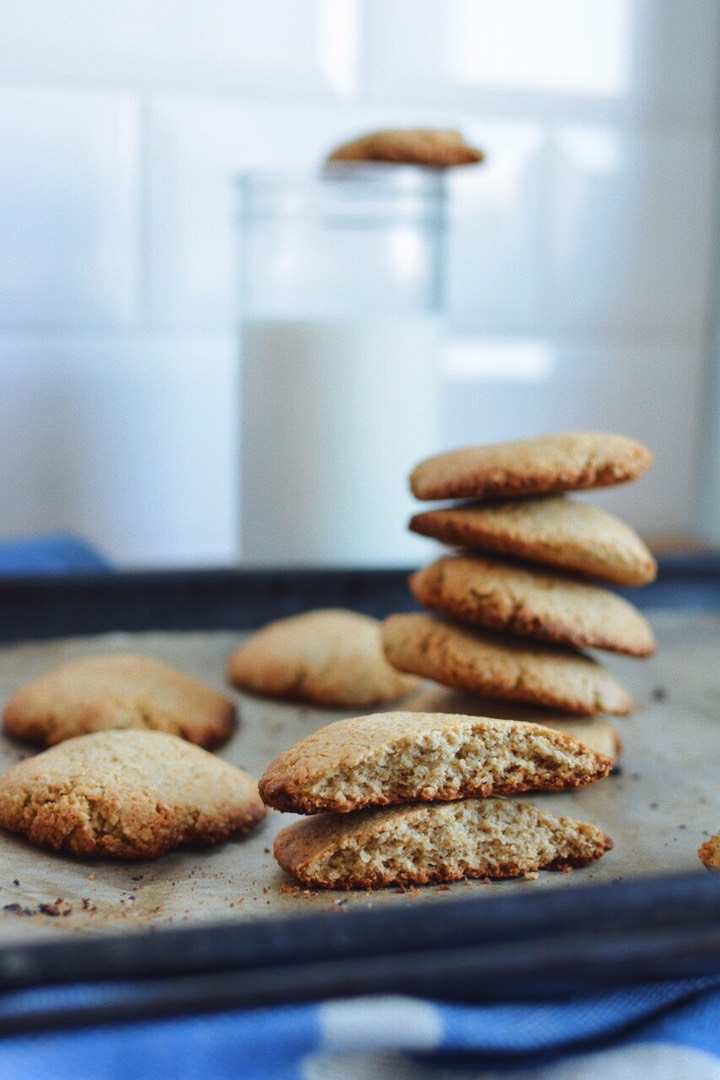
[500, 216]
[579, 257]
[129, 440]
[69, 208]
[631, 239]
[197, 151]
[277, 49]
[651, 392]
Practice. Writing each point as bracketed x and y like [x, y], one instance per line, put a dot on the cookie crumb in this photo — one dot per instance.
[18, 909]
[57, 908]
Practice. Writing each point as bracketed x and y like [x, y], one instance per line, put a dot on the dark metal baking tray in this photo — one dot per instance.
[535, 945]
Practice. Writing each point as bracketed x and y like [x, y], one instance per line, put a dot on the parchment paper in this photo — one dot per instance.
[658, 807]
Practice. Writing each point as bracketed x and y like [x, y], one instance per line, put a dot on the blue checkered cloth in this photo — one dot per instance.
[665, 1031]
[55, 553]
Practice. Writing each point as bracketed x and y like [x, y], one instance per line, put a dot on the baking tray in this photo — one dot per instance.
[201, 930]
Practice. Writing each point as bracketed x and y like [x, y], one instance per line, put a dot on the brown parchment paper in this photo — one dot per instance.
[658, 807]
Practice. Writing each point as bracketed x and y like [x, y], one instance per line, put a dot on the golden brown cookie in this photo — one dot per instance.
[118, 690]
[597, 732]
[330, 657]
[414, 146]
[484, 591]
[545, 464]
[709, 853]
[401, 757]
[550, 530]
[500, 666]
[420, 843]
[127, 795]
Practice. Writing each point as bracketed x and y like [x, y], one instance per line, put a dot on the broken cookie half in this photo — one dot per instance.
[597, 732]
[399, 757]
[422, 843]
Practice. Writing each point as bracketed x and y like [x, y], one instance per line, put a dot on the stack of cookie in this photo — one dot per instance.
[512, 612]
[405, 798]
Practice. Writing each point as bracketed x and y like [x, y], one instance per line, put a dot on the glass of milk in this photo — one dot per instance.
[340, 324]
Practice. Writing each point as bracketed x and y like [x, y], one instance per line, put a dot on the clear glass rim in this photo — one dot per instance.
[392, 177]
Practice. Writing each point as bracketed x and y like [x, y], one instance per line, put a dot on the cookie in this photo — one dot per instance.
[418, 844]
[596, 732]
[126, 795]
[118, 690]
[414, 146]
[550, 530]
[709, 853]
[499, 666]
[329, 657]
[420, 757]
[545, 464]
[484, 591]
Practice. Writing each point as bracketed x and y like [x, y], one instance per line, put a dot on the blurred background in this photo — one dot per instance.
[581, 259]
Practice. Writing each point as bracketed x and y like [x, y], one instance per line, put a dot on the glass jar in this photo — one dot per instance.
[340, 324]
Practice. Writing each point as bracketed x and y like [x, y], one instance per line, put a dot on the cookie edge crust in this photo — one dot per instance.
[526, 619]
[478, 477]
[458, 679]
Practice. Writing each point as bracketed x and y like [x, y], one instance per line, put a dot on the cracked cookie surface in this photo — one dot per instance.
[329, 657]
[545, 464]
[119, 691]
[500, 595]
[500, 666]
[127, 795]
[399, 757]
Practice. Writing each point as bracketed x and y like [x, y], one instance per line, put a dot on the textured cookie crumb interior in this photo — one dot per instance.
[470, 838]
[443, 764]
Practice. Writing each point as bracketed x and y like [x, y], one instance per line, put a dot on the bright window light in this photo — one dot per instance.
[557, 46]
[337, 46]
[595, 150]
[409, 253]
[525, 360]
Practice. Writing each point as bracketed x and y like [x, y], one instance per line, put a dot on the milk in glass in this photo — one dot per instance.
[340, 351]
